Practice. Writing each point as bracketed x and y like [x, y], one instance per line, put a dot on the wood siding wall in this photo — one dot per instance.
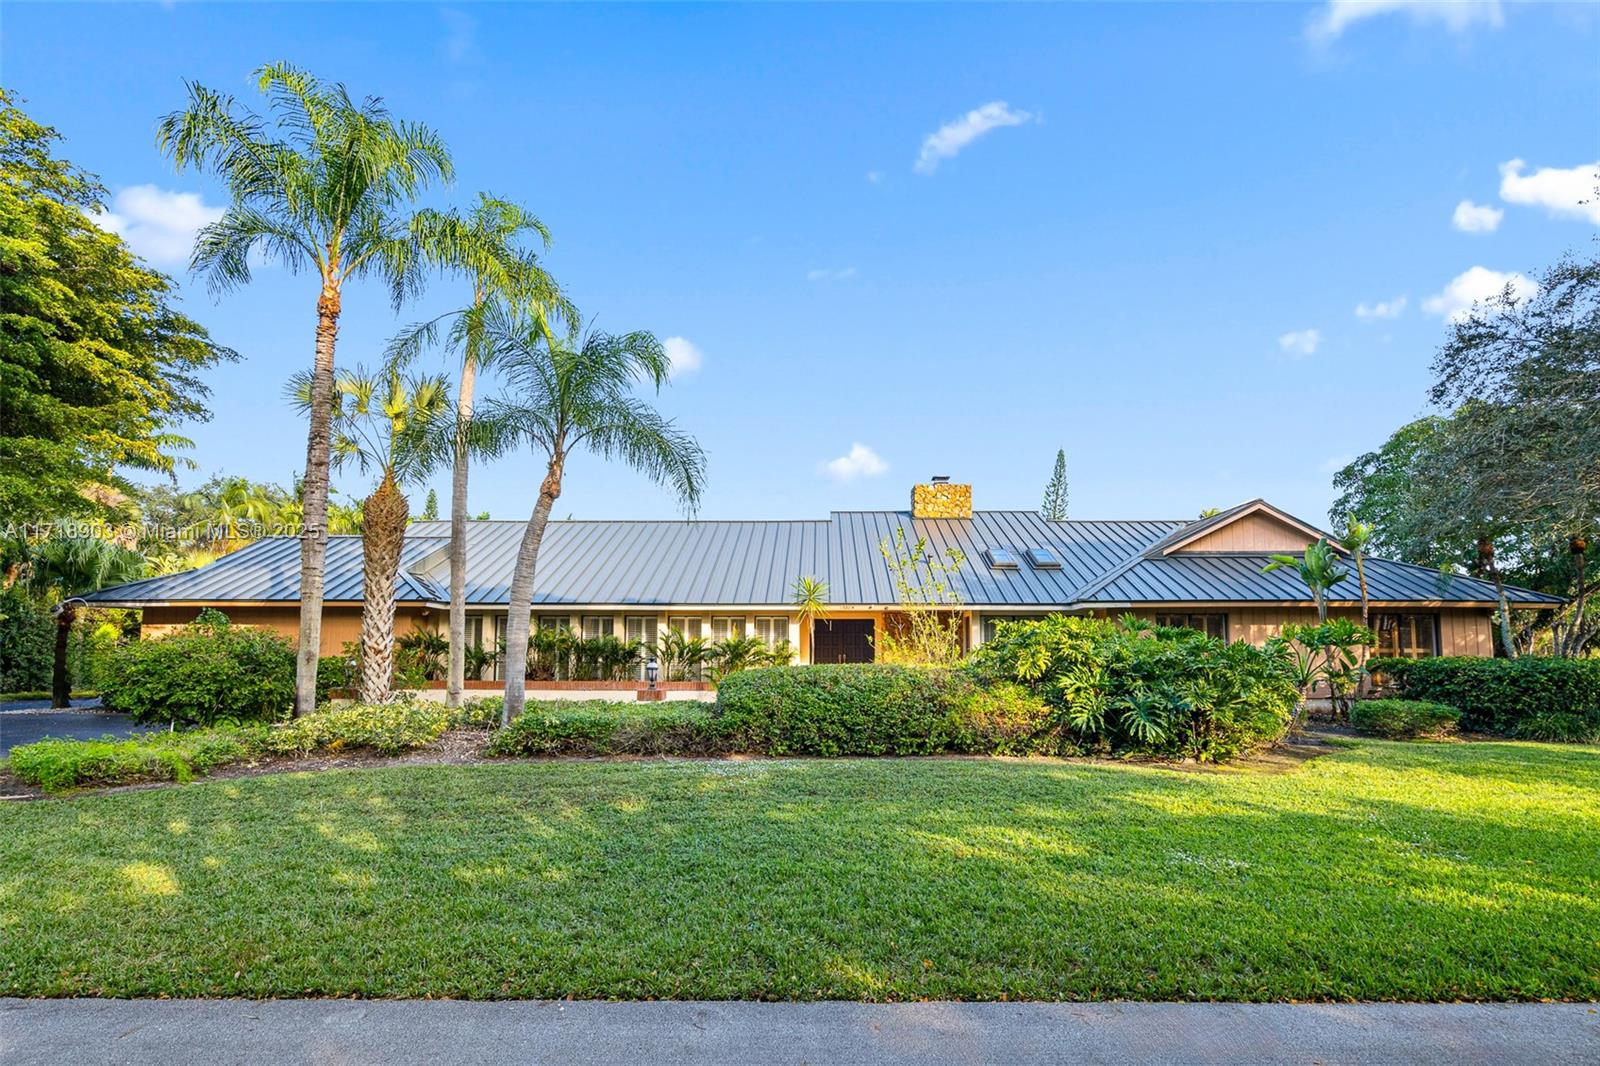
[1252, 533]
[339, 624]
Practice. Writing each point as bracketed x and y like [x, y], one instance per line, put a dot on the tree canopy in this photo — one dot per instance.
[97, 368]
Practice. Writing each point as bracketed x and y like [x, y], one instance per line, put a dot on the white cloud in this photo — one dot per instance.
[1476, 218]
[859, 461]
[1473, 287]
[948, 140]
[685, 357]
[1381, 308]
[831, 275]
[1570, 193]
[874, 176]
[1457, 16]
[1300, 343]
[157, 224]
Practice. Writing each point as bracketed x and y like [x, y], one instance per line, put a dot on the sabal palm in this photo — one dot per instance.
[74, 566]
[322, 184]
[1318, 567]
[483, 246]
[569, 396]
[395, 425]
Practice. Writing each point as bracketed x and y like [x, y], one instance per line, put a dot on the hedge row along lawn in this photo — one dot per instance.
[1383, 871]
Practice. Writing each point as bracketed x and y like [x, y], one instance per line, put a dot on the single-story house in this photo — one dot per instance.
[634, 579]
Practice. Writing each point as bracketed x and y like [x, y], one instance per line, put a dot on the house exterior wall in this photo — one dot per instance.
[1252, 533]
[341, 623]
[1462, 631]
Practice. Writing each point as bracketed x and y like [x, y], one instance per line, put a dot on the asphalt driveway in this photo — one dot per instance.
[25, 726]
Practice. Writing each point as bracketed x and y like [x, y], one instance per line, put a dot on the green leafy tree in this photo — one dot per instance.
[927, 627]
[322, 184]
[484, 247]
[1055, 493]
[565, 397]
[70, 567]
[96, 367]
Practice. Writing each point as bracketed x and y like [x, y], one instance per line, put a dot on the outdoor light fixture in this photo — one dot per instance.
[651, 669]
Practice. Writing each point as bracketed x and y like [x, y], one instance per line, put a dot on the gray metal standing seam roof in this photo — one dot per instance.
[723, 563]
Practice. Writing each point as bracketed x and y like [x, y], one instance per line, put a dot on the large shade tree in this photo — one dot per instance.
[564, 397]
[392, 425]
[485, 247]
[97, 368]
[324, 184]
[66, 568]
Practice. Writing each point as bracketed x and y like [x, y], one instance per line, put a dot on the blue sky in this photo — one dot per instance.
[917, 240]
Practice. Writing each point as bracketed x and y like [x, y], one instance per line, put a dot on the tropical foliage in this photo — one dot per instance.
[65, 568]
[208, 673]
[926, 629]
[323, 184]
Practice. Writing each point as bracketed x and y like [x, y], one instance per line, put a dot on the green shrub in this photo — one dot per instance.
[1562, 727]
[1006, 718]
[1404, 719]
[595, 727]
[205, 674]
[852, 709]
[481, 713]
[1505, 696]
[387, 728]
[27, 642]
[59, 765]
[333, 672]
[1129, 687]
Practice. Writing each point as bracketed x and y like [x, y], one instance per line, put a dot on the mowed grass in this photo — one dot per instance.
[1384, 871]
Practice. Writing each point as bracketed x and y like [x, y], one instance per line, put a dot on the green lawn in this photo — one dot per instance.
[1385, 871]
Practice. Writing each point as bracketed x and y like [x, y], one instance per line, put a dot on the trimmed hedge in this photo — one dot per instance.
[208, 673]
[597, 727]
[59, 765]
[850, 709]
[1404, 719]
[1513, 697]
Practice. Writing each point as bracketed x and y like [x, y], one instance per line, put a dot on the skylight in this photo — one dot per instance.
[1002, 559]
[1043, 559]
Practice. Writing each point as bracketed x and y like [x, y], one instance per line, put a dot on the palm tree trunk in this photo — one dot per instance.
[314, 503]
[1579, 547]
[1366, 604]
[522, 593]
[458, 536]
[60, 683]
[383, 530]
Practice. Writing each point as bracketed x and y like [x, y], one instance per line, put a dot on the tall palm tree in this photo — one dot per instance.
[70, 567]
[323, 184]
[811, 601]
[1318, 567]
[568, 396]
[484, 247]
[393, 424]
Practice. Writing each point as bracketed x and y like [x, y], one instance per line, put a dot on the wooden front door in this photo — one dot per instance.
[842, 640]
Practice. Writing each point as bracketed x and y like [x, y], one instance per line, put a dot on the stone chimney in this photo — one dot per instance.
[940, 499]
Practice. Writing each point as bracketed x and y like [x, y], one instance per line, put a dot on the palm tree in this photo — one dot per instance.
[811, 600]
[482, 246]
[71, 567]
[321, 184]
[394, 424]
[1357, 535]
[1318, 567]
[567, 396]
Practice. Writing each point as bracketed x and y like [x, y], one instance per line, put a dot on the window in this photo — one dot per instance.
[991, 622]
[1002, 558]
[643, 630]
[1407, 636]
[725, 628]
[499, 647]
[554, 621]
[1212, 625]
[1043, 559]
[772, 631]
[598, 625]
[688, 625]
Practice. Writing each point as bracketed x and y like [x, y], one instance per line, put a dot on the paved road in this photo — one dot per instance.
[24, 727]
[645, 1034]
[44, 705]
